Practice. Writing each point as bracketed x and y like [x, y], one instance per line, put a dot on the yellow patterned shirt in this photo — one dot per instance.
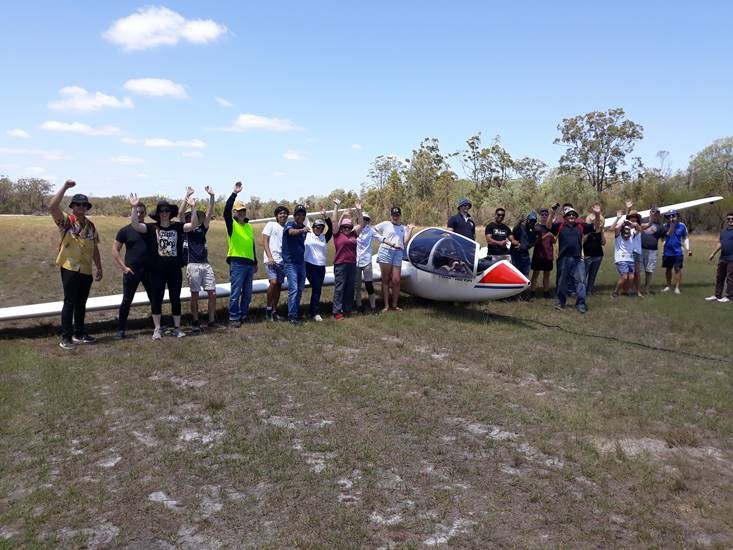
[78, 240]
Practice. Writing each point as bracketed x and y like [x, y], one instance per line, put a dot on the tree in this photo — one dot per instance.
[598, 143]
[486, 167]
[712, 168]
[381, 169]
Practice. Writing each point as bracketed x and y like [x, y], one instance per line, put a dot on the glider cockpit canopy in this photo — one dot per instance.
[443, 252]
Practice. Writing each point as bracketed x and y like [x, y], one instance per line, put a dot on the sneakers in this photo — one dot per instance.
[712, 298]
[559, 306]
[677, 291]
[158, 334]
[178, 333]
[582, 309]
[294, 321]
[666, 289]
[119, 335]
[614, 294]
[317, 318]
[724, 300]
[235, 323]
[66, 344]
[195, 326]
[338, 316]
[85, 339]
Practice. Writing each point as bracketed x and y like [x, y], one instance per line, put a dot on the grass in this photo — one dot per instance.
[500, 424]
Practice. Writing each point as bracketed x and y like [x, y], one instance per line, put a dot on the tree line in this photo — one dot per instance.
[597, 165]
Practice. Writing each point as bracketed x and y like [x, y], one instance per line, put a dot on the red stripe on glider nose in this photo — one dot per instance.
[502, 274]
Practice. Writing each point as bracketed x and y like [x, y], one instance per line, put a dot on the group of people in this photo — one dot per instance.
[530, 247]
[296, 249]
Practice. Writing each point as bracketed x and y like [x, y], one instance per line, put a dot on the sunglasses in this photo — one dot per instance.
[730, 218]
[499, 215]
[164, 211]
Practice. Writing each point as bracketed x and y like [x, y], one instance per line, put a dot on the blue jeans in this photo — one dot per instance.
[240, 276]
[592, 265]
[296, 283]
[315, 275]
[571, 268]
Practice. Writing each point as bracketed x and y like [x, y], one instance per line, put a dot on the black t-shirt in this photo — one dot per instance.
[570, 238]
[498, 232]
[167, 242]
[651, 235]
[592, 248]
[463, 226]
[138, 247]
[526, 235]
[726, 246]
[195, 249]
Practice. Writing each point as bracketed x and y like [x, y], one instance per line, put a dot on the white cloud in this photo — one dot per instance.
[292, 154]
[77, 99]
[129, 141]
[192, 154]
[356, 147]
[79, 128]
[124, 159]
[167, 143]
[18, 133]
[8, 166]
[278, 174]
[156, 87]
[154, 26]
[249, 121]
[37, 170]
[43, 153]
[223, 102]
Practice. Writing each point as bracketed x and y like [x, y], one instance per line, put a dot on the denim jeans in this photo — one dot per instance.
[571, 268]
[343, 293]
[592, 265]
[240, 276]
[296, 283]
[315, 275]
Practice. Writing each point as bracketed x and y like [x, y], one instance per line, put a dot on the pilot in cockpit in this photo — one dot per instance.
[446, 260]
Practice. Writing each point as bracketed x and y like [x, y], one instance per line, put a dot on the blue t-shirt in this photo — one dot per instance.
[293, 250]
[726, 245]
[673, 242]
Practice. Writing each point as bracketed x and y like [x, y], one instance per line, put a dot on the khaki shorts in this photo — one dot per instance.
[200, 276]
[366, 273]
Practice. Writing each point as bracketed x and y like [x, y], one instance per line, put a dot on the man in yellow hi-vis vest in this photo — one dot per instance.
[241, 257]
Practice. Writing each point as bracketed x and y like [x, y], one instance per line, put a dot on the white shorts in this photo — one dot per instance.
[648, 260]
[200, 276]
[367, 275]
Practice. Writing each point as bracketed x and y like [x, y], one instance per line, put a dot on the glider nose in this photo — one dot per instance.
[504, 273]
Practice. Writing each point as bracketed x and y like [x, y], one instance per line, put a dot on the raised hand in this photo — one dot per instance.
[237, 187]
[191, 201]
[629, 203]
[357, 205]
[336, 201]
[323, 214]
[189, 191]
[134, 201]
[69, 184]
[209, 190]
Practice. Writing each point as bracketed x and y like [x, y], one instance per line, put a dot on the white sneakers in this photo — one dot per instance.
[677, 291]
[157, 334]
[666, 289]
[724, 300]
[318, 318]
[711, 298]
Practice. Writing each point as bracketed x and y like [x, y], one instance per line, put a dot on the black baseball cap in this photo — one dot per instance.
[396, 211]
[300, 209]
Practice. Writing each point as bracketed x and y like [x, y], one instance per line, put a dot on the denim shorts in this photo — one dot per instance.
[625, 267]
[391, 256]
[275, 272]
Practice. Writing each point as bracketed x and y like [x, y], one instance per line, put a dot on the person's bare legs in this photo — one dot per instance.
[396, 274]
[677, 279]
[212, 305]
[386, 273]
[195, 306]
[546, 281]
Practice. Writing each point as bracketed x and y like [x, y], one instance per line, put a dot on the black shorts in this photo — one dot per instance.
[541, 264]
[669, 262]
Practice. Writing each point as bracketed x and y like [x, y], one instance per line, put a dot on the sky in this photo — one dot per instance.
[298, 98]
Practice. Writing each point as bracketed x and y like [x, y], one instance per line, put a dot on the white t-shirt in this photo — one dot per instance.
[275, 231]
[391, 233]
[623, 250]
[315, 249]
[364, 246]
